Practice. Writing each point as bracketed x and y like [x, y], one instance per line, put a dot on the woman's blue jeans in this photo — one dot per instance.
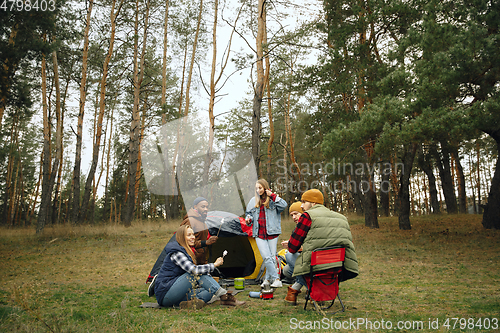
[267, 249]
[188, 286]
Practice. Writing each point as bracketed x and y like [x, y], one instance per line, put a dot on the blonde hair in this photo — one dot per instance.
[264, 199]
[180, 237]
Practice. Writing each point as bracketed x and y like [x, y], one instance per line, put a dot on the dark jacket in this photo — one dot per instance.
[169, 271]
[200, 229]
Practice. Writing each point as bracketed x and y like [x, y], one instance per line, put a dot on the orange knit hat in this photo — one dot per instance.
[313, 195]
[295, 207]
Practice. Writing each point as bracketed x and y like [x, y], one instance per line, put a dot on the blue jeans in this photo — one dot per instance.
[300, 279]
[267, 249]
[290, 258]
[184, 289]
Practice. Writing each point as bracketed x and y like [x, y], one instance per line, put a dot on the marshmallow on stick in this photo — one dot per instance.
[221, 222]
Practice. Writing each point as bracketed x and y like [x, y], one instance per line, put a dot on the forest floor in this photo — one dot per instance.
[443, 275]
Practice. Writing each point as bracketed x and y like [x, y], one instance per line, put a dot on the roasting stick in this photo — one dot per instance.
[221, 222]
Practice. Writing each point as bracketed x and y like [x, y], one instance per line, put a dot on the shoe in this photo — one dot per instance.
[291, 296]
[221, 291]
[277, 284]
[194, 304]
[213, 299]
[230, 300]
[264, 283]
[151, 288]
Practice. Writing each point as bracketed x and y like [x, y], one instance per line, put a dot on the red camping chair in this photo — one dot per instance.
[324, 285]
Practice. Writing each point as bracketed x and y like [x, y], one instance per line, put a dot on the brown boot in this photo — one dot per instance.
[291, 296]
[229, 300]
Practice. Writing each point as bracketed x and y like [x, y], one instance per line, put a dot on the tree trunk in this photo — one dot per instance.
[425, 189]
[358, 198]
[404, 190]
[12, 203]
[288, 107]
[164, 87]
[171, 199]
[370, 194]
[394, 182]
[271, 129]
[9, 193]
[290, 191]
[75, 210]
[426, 167]
[462, 195]
[37, 191]
[57, 206]
[108, 159]
[472, 186]
[46, 189]
[491, 215]
[9, 68]
[168, 194]
[267, 86]
[370, 201]
[282, 179]
[211, 104]
[128, 214]
[193, 56]
[139, 157]
[443, 164]
[20, 211]
[164, 61]
[59, 135]
[184, 64]
[371, 209]
[259, 85]
[101, 171]
[358, 204]
[478, 179]
[102, 106]
[385, 188]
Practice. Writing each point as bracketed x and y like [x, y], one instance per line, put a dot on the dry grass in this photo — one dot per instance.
[79, 279]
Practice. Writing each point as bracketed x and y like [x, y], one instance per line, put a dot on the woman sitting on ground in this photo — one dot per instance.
[181, 282]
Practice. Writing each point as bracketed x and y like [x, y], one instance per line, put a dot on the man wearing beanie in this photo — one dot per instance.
[319, 227]
[295, 212]
[195, 218]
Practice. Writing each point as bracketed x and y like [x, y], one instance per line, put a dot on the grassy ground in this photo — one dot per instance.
[91, 279]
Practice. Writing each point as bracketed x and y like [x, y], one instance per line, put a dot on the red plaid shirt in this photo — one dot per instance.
[262, 232]
[300, 233]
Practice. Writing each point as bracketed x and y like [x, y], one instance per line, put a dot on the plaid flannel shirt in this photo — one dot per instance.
[186, 264]
[262, 231]
[300, 233]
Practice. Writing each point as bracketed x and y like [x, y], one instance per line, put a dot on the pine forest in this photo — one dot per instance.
[390, 108]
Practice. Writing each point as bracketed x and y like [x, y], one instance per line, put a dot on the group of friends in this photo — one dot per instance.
[185, 278]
